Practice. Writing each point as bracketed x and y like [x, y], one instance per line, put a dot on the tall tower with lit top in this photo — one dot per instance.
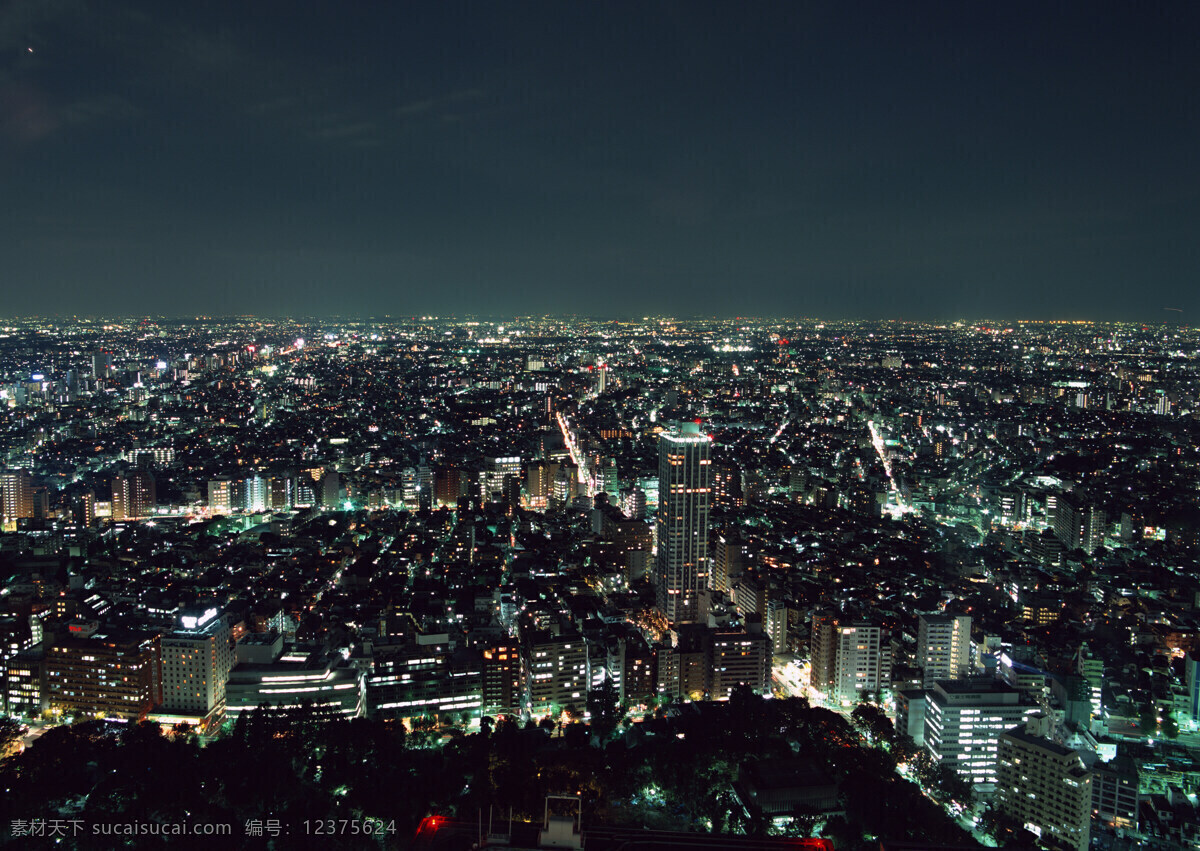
[684, 490]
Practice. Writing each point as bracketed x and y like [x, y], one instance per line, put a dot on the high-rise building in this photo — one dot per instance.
[1043, 785]
[727, 486]
[502, 679]
[910, 714]
[102, 364]
[822, 650]
[963, 723]
[1079, 524]
[1191, 677]
[566, 485]
[863, 661]
[133, 495]
[1091, 668]
[739, 659]
[607, 479]
[539, 482]
[633, 503]
[196, 660]
[944, 647]
[331, 485]
[24, 684]
[220, 495]
[775, 620]
[16, 494]
[281, 492]
[684, 487]
[256, 494]
[1011, 506]
[555, 672]
[449, 483]
[685, 662]
[640, 678]
[729, 554]
[496, 470]
[83, 509]
[1116, 792]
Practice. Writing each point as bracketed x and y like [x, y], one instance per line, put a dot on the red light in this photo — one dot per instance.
[782, 342]
[697, 422]
[429, 822]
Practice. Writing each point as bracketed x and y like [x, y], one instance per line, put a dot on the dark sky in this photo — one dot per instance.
[891, 159]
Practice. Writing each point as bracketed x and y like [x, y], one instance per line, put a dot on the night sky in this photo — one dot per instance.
[875, 160]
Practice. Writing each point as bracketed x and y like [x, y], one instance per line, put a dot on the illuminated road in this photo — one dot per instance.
[903, 506]
[585, 475]
[793, 678]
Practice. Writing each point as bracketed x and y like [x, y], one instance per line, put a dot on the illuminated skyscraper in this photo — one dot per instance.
[863, 661]
[220, 495]
[1044, 786]
[196, 660]
[684, 488]
[256, 493]
[133, 495]
[16, 494]
[1079, 524]
[102, 364]
[944, 647]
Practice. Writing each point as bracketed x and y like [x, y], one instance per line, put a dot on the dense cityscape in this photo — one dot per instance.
[439, 582]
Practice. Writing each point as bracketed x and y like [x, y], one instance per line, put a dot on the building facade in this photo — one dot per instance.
[16, 495]
[196, 660]
[944, 647]
[107, 675]
[133, 495]
[862, 662]
[1044, 785]
[556, 672]
[684, 488]
[964, 720]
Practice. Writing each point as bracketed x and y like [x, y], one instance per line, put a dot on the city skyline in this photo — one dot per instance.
[872, 161]
[734, 581]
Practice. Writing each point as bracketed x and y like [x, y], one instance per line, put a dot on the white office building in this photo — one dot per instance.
[964, 720]
[944, 647]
